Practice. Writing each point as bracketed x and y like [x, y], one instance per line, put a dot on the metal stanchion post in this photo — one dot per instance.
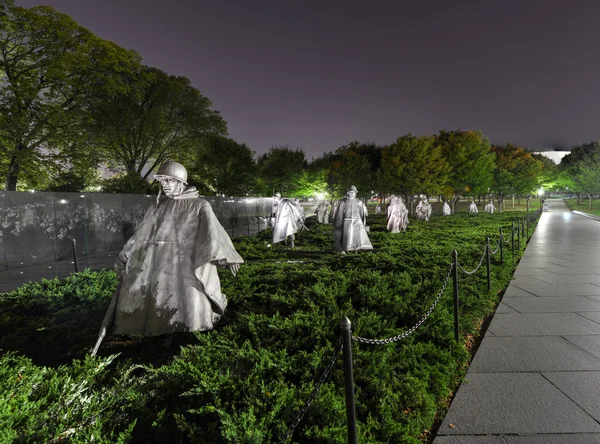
[487, 261]
[346, 330]
[512, 238]
[518, 235]
[455, 291]
[74, 245]
[501, 246]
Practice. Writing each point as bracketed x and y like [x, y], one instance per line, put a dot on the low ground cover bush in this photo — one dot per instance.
[247, 380]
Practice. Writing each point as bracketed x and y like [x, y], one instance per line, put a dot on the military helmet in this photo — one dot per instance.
[277, 194]
[172, 169]
[352, 188]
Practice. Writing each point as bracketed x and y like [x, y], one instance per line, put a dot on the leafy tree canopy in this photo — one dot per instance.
[471, 162]
[517, 170]
[50, 70]
[279, 169]
[159, 118]
[414, 165]
[223, 166]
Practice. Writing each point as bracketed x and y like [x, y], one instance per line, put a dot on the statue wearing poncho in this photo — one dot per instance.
[349, 232]
[286, 220]
[397, 215]
[168, 269]
[322, 212]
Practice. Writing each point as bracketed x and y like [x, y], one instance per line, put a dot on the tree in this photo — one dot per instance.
[571, 162]
[549, 176]
[413, 165]
[74, 181]
[50, 68]
[588, 174]
[224, 166]
[350, 168]
[471, 162]
[279, 170]
[517, 171]
[129, 182]
[312, 181]
[355, 164]
[159, 118]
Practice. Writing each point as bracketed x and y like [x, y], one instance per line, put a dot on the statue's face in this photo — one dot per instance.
[351, 194]
[172, 187]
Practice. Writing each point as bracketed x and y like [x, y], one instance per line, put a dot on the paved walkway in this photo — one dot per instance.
[536, 376]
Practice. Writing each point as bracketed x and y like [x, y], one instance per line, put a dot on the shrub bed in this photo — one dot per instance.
[247, 380]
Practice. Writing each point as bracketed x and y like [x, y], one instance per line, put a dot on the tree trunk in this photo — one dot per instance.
[13, 171]
[590, 195]
[412, 204]
[513, 201]
[528, 199]
[578, 198]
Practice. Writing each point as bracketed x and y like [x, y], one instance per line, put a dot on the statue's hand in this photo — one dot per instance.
[234, 268]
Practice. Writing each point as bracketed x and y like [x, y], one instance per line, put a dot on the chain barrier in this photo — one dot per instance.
[413, 328]
[497, 248]
[41, 267]
[313, 395]
[476, 268]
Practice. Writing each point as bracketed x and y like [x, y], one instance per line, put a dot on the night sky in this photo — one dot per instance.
[318, 74]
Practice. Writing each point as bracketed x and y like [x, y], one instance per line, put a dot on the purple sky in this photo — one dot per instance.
[318, 74]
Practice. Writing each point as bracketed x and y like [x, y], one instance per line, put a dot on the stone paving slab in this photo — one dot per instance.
[499, 354]
[469, 439]
[504, 308]
[573, 279]
[541, 324]
[581, 387]
[590, 343]
[591, 315]
[554, 304]
[543, 289]
[519, 281]
[545, 261]
[513, 403]
[571, 271]
[532, 271]
[563, 438]
[515, 292]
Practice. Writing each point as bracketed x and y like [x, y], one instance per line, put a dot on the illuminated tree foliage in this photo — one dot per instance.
[583, 167]
[517, 172]
[413, 165]
[161, 117]
[279, 170]
[223, 166]
[50, 70]
[471, 163]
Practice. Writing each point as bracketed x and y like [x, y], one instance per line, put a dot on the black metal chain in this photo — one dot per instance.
[414, 327]
[313, 395]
